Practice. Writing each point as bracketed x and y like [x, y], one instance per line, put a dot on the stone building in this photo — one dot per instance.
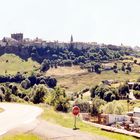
[17, 36]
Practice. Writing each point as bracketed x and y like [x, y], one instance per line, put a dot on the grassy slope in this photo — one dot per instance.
[67, 121]
[72, 78]
[21, 137]
[15, 64]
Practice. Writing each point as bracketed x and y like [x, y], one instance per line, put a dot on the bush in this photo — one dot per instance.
[26, 98]
[92, 91]
[8, 95]
[136, 94]
[113, 108]
[51, 82]
[97, 103]
[44, 66]
[84, 107]
[108, 95]
[26, 84]
[1, 97]
[38, 94]
[16, 99]
[14, 90]
[58, 98]
[123, 90]
[2, 88]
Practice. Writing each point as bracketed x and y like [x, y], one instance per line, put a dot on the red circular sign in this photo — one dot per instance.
[76, 110]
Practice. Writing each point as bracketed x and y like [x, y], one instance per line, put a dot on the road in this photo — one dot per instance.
[15, 115]
[19, 118]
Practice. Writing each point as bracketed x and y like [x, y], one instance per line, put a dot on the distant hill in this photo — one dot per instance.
[65, 53]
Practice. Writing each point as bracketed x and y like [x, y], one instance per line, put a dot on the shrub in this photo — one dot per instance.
[2, 88]
[38, 94]
[123, 90]
[113, 108]
[96, 106]
[92, 91]
[84, 107]
[107, 96]
[8, 95]
[59, 99]
[1, 97]
[136, 94]
[26, 98]
[14, 90]
[44, 66]
[26, 84]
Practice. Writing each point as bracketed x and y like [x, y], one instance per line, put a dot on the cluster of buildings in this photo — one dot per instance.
[18, 39]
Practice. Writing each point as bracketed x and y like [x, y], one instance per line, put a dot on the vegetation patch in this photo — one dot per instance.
[21, 137]
[11, 64]
[61, 119]
[1, 110]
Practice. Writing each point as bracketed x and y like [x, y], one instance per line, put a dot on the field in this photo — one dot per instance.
[75, 82]
[65, 71]
[11, 64]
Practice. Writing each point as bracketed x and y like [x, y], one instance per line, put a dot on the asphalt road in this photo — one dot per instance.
[19, 118]
[15, 115]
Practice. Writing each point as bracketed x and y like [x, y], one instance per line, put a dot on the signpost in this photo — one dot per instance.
[75, 111]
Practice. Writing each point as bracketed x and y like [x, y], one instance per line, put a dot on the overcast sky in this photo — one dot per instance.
[102, 21]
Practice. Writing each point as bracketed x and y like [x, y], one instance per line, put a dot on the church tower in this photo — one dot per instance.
[71, 39]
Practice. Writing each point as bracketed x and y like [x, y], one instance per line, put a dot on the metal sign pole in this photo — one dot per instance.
[74, 123]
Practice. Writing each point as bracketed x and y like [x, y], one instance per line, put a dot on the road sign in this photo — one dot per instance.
[76, 110]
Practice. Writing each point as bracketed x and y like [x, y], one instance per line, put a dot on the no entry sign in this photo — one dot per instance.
[76, 110]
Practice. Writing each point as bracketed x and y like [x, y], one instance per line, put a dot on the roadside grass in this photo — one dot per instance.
[12, 64]
[67, 119]
[1, 110]
[132, 104]
[20, 137]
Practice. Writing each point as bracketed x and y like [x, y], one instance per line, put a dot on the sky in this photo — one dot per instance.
[102, 21]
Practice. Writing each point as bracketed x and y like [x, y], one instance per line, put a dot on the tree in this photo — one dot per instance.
[38, 94]
[128, 67]
[92, 91]
[135, 61]
[108, 95]
[123, 90]
[26, 84]
[44, 65]
[123, 67]
[8, 95]
[67, 63]
[96, 106]
[59, 100]
[97, 68]
[14, 90]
